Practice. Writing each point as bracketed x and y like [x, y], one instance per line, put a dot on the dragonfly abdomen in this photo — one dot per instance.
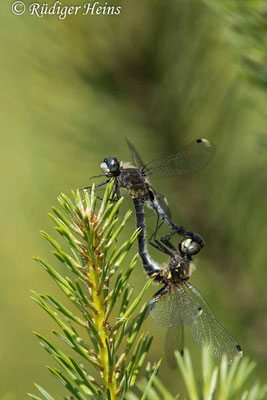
[150, 266]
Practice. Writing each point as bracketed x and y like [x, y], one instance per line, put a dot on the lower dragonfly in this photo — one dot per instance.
[179, 303]
[134, 178]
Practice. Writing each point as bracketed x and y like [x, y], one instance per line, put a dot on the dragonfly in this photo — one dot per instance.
[135, 178]
[178, 303]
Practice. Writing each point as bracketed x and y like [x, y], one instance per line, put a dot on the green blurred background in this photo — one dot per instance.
[162, 74]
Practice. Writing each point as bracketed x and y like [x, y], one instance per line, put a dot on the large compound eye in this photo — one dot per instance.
[111, 165]
[189, 247]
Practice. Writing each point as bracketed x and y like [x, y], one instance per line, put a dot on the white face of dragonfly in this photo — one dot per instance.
[104, 167]
[189, 247]
[110, 166]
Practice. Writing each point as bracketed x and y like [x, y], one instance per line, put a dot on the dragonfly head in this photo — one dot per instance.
[189, 247]
[110, 166]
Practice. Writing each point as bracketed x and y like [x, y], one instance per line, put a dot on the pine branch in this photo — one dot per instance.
[93, 260]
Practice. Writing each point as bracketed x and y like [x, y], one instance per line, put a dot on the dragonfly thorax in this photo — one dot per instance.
[132, 179]
[178, 270]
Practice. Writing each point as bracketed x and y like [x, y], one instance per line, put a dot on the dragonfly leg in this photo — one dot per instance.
[97, 176]
[116, 192]
[155, 242]
[179, 229]
[166, 241]
[168, 235]
[162, 292]
[157, 228]
[159, 246]
[98, 185]
[115, 196]
[99, 198]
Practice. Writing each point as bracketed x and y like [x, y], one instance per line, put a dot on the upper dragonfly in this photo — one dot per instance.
[179, 303]
[135, 178]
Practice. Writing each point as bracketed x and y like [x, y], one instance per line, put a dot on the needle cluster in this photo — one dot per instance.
[114, 347]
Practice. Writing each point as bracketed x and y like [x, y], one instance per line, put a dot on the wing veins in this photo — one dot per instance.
[207, 330]
[185, 161]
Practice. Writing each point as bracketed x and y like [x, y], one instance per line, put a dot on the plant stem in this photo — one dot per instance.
[97, 294]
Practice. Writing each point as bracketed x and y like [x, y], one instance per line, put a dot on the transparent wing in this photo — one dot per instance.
[174, 340]
[136, 159]
[163, 202]
[189, 159]
[149, 212]
[207, 331]
[172, 307]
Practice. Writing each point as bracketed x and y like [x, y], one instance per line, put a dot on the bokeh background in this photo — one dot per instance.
[162, 74]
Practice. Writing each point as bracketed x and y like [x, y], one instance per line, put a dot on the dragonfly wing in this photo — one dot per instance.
[136, 159]
[207, 331]
[171, 307]
[174, 340]
[190, 159]
[163, 203]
